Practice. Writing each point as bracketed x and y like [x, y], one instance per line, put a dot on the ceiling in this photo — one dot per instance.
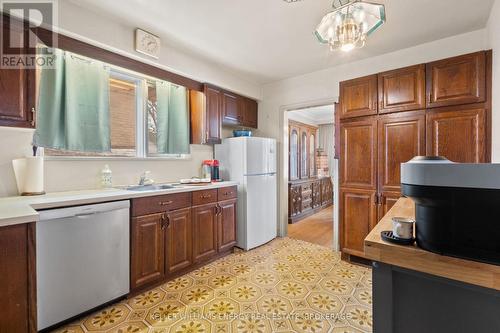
[269, 40]
[313, 116]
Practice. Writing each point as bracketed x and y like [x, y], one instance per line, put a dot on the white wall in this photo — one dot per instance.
[493, 40]
[322, 87]
[73, 175]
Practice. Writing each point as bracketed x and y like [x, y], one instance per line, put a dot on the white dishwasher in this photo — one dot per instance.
[82, 259]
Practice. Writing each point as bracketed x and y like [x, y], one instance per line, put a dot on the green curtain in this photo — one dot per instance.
[73, 105]
[172, 119]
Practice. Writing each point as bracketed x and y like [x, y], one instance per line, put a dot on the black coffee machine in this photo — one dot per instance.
[457, 207]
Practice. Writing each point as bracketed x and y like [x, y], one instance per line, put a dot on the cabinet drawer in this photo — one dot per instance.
[204, 197]
[227, 193]
[160, 203]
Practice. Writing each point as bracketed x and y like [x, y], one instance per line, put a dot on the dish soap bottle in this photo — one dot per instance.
[106, 177]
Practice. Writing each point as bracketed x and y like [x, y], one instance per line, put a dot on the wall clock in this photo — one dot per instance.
[147, 43]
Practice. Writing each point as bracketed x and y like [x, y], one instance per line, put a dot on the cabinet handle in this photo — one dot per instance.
[166, 203]
[167, 220]
[206, 137]
[163, 218]
[216, 210]
[205, 196]
[33, 116]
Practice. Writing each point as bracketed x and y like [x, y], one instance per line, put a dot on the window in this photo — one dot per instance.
[132, 118]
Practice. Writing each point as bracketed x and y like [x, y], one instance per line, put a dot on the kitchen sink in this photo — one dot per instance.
[151, 187]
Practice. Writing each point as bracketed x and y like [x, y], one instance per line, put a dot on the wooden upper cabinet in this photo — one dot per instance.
[358, 215]
[226, 225]
[358, 159]
[458, 80]
[147, 250]
[401, 136]
[231, 112]
[459, 134]
[213, 114]
[17, 86]
[402, 89]
[178, 240]
[250, 113]
[358, 97]
[204, 232]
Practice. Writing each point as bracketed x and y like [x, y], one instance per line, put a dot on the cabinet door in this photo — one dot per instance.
[14, 279]
[312, 153]
[213, 112]
[226, 225]
[457, 134]
[294, 200]
[179, 240]
[358, 156]
[401, 137]
[304, 154]
[294, 154]
[147, 250]
[250, 113]
[326, 191]
[204, 232]
[458, 80]
[358, 215]
[17, 90]
[402, 89]
[358, 97]
[231, 109]
[387, 200]
[316, 194]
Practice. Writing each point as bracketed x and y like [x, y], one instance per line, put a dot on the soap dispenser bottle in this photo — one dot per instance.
[106, 177]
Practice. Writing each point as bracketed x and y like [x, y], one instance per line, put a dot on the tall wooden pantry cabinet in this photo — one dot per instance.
[441, 108]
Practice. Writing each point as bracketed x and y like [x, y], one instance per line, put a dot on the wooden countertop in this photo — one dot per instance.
[417, 259]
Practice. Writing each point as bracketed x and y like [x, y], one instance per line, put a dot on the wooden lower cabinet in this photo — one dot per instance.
[358, 215]
[204, 232]
[226, 228]
[178, 240]
[308, 196]
[386, 201]
[147, 250]
[170, 243]
[18, 278]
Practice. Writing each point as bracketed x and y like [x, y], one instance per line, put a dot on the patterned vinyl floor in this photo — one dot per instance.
[285, 286]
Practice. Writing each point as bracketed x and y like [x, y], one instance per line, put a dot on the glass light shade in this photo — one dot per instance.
[348, 26]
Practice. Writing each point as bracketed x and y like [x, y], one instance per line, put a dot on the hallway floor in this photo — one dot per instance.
[316, 229]
[284, 286]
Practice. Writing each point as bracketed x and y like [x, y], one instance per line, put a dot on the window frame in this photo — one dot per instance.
[141, 131]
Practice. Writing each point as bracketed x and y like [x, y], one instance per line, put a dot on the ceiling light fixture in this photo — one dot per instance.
[349, 24]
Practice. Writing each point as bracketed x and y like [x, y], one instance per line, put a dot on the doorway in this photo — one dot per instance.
[311, 174]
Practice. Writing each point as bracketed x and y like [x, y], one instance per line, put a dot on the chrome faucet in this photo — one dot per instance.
[145, 180]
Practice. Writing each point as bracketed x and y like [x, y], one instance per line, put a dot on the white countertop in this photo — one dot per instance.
[17, 210]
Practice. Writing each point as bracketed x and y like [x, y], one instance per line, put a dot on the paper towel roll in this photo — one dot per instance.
[29, 175]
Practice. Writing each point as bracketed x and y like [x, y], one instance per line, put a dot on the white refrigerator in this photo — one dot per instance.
[251, 161]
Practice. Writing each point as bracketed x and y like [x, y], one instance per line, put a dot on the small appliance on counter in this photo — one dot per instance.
[457, 207]
[210, 169]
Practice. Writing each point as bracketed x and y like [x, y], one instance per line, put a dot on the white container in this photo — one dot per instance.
[106, 177]
[29, 175]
